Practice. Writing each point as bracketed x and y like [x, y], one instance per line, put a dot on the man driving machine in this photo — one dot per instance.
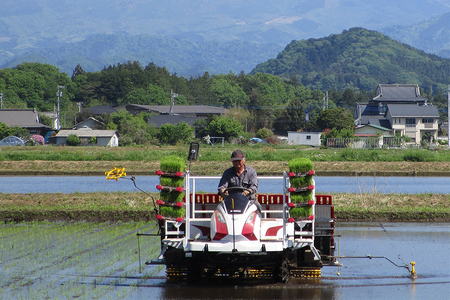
[239, 175]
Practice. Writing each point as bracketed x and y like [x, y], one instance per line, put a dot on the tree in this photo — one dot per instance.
[73, 140]
[228, 92]
[338, 118]
[46, 120]
[264, 133]
[224, 127]
[171, 134]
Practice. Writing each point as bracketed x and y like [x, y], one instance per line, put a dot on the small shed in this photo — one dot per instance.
[304, 138]
[105, 138]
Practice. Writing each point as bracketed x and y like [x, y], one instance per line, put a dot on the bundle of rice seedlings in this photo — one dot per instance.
[175, 212]
[172, 181]
[297, 212]
[300, 164]
[173, 164]
[172, 197]
[301, 196]
[301, 181]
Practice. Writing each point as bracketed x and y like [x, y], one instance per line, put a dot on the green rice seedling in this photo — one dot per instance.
[173, 164]
[300, 181]
[301, 196]
[298, 212]
[300, 164]
[172, 197]
[174, 212]
[172, 181]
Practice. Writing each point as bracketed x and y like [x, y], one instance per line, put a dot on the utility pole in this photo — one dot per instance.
[172, 102]
[59, 94]
[79, 106]
[448, 115]
[1, 98]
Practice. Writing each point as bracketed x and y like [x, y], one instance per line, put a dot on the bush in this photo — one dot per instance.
[38, 139]
[93, 140]
[73, 140]
[264, 133]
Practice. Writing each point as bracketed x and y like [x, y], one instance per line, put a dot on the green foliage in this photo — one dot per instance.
[46, 120]
[173, 164]
[419, 156]
[170, 134]
[337, 118]
[357, 59]
[300, 164]
[93, 140]
[73, 140]
[172, 181]
[298, 212]
[174, 212]
[172, 197]
[301, 196]
[131, 129]
[4, 131]
[264, 133]
[224, 127]
[227, 92]
[301, 181]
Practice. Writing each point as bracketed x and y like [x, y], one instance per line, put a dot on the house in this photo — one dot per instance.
[304, 138]
[106, 138]
[158, 120]
[399, 109]
[182, 110]
[100, 110]
[414, 121]
[91, 123]
[372, 135]
[24, 118]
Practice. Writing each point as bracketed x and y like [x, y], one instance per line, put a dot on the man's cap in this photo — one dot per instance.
[237, 155]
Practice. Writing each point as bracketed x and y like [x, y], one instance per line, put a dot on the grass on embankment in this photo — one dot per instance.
[128, 206]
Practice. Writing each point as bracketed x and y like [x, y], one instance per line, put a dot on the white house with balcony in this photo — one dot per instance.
[414, 121]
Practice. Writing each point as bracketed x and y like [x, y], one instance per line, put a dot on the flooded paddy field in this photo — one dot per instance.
[80, 260]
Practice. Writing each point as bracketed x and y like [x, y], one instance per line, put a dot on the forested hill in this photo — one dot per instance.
[357, 58]
[178, 55]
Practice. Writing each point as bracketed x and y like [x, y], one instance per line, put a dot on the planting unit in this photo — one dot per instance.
[281, 236]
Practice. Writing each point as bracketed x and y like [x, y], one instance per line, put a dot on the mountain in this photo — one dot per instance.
[432, 35]
[357, 58]
[44, 28]
[185, 57]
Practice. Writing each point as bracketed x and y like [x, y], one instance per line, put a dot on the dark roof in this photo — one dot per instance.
[159, 120]
[25, 118]
[376, 120]
[375, 126]
[181, 109]
[412, 110]
[398, 93]
[101, 109]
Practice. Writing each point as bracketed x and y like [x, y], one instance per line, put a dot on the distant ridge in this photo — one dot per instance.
[358, 59]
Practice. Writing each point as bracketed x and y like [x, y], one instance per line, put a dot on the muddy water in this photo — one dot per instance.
[101, 261]
[427, 244]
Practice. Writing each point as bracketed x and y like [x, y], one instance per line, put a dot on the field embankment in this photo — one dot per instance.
[215, 168]
[86, 161]
[134, 206]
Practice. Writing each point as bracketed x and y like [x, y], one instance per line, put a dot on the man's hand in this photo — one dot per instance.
[246, 192]
[223, 192]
